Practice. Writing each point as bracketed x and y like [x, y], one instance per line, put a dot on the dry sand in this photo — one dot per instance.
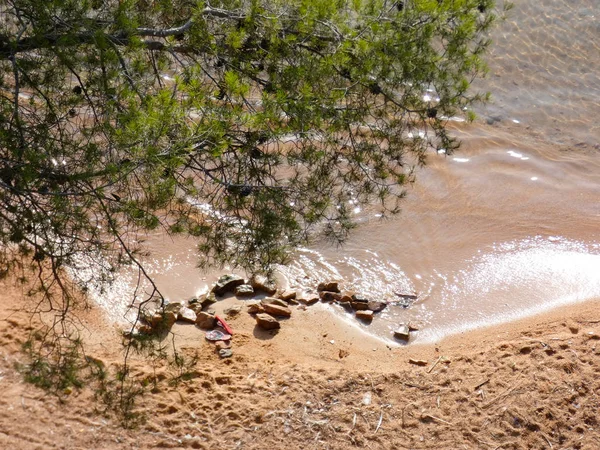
[532, 384]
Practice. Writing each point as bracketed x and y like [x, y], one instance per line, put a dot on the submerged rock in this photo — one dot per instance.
[376, 306]
[267, 322]
[327, 296]
[359, 306]
[227, 283]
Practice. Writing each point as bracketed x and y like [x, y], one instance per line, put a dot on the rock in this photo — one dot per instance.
[365, 315]
[287, 295]
[327, 296]
[414, 326]
[244, 290]
[227, 283]
[307, 298]
[169, 319]
[205, 320]
[359, 298]
[225, 353]
[402, 332]
[329, 286]
[273, 301]
[186, 315]
[267, 322]
[346, 297]
[233, 310]
[174, 307]
[418, 362]
[208, 299]
[376, 306]
[277, 310]
[221, 345]
[359, 306]
[193, 301]
[262, 283]
[254, 308]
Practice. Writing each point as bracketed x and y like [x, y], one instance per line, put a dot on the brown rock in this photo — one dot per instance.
[277, 310]
[418, 362]
[220, 345]
[267, 322]
[186, 315]
[366, 315]
[359, 298]
[169, 319]
[174, 307]
[327, 296]
[330, 286]
[287, 295]
[205, 320]
[346, 297]
[254, 308]
[262, 283]
[307, 298]
[359, 306]
[207, 300]
[376, 306]
[273, 301]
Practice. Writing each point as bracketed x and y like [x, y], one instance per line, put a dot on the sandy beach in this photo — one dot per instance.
[318, 383]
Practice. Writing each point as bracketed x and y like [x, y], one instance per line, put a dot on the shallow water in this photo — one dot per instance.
[507, 227]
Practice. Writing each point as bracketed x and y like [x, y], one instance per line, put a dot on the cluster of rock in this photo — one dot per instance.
[267, 312]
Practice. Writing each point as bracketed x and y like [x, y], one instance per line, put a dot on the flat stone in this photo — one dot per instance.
[402, 332]
[287, 295]
[327, 296]
[244, 290]
[359, 298]
[330, 286]
[267, 322]
[346, 297]
[277, 310]
[274, 301]
[186, 315]
[227, 283]
[418, 362]
[262, 283]
[366, 315]
[359, 306]
[308, 299]
[376, 306]
[205, 320]
[255, 307]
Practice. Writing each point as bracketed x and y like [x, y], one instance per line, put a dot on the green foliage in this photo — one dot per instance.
[247, 123]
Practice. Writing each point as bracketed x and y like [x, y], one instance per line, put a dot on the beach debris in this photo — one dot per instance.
[330, 286]
[418, 362]
[227, 283]
[233, 310]
[217, 335]
[402, 332]
[205, 320]
[186, 315]
[406, 296]
[221, 322]
[225, 353]
[366, 315]
[277, 310]
[367, 398]
[267, 322]
[244, 290]
[262, 283]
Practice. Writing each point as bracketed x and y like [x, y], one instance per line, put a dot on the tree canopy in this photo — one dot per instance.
[245, 123]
